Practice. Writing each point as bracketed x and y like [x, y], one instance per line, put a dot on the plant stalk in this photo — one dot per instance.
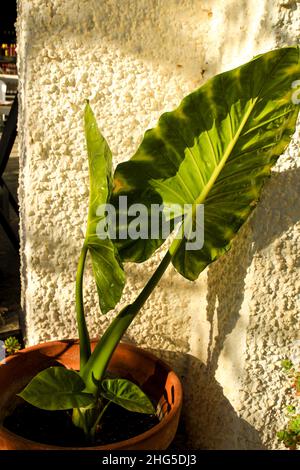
[94, 428]
[85, 347]
[97, 364]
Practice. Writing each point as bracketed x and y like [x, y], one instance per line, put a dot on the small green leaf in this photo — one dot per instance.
[11, 345]
[297, 383]
[294, 425]
[57, 388]
[107, 268]
[281, 435]
[286, 364]
[290, 409]
[126, 394]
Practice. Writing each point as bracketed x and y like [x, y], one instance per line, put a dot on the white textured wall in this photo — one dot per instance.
[134, 59]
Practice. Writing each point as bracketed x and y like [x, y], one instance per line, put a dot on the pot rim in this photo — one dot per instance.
[116, 445]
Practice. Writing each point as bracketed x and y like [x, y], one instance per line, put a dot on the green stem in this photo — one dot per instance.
[96, 366]
[82, 421]
[94, 428]
[152, 283]
[84, 340]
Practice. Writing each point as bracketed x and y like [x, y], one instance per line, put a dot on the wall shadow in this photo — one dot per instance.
[145, 26]
[277, 212]
[213, 422]
[207, 418]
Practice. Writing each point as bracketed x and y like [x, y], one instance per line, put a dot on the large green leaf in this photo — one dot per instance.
[216, 149]
[126, 394]
[108, 271]
[57, 388]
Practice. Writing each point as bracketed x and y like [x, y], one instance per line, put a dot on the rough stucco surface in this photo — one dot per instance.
[226, 333]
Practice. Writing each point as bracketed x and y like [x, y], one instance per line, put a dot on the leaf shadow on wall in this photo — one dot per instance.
[213, 427]
[185, 36]
[277, 211]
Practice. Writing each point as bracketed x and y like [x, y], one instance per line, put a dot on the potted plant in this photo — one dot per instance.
[215, 152]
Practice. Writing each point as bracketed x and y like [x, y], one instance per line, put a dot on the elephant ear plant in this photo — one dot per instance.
[215, 152]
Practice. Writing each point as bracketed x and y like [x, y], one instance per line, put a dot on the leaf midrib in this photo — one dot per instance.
[201, 198]
[60, 393]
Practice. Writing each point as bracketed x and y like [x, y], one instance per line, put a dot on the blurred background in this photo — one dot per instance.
[9, 168]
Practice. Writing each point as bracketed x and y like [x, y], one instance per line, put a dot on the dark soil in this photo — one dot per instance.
[56, 427]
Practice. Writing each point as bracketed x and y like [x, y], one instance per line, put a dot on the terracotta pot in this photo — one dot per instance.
[128, 361]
